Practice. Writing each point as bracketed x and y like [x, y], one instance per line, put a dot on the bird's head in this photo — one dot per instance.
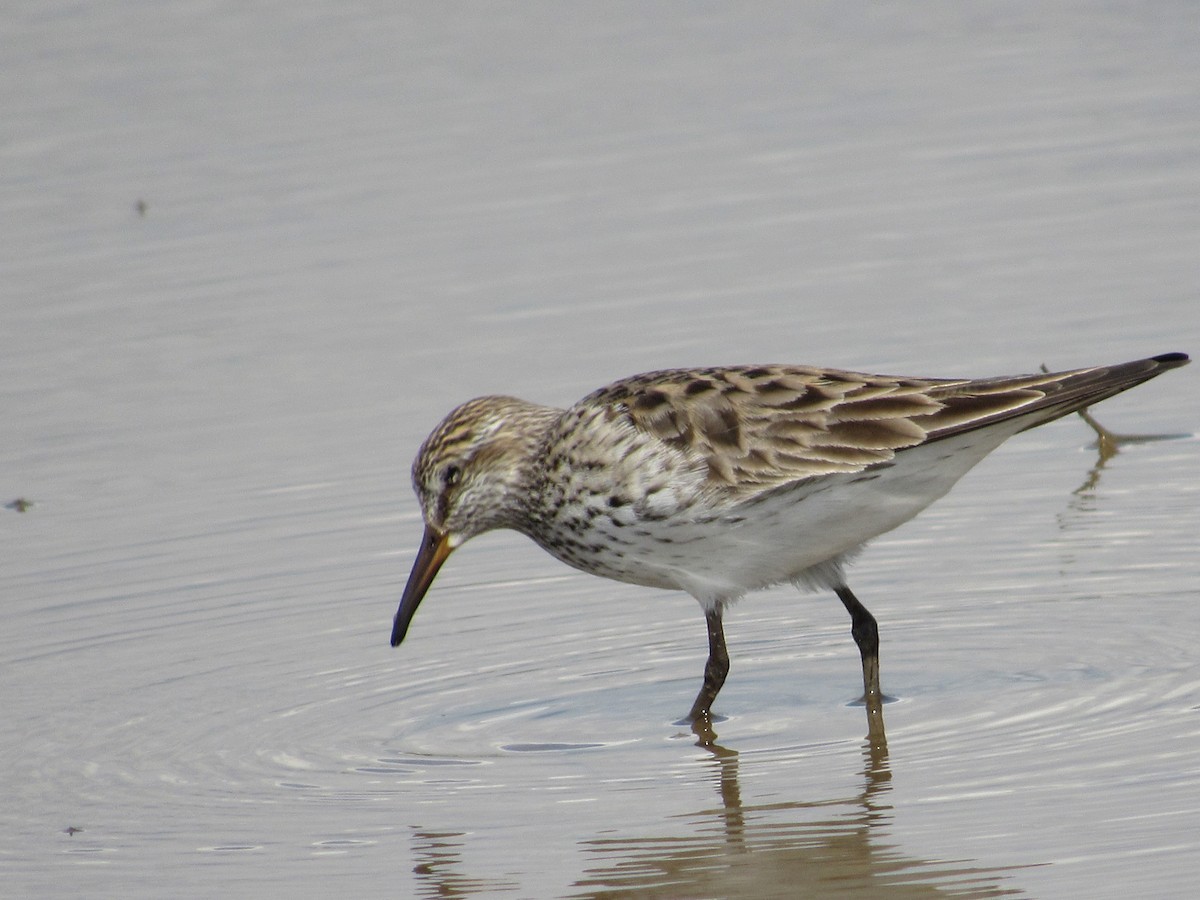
[470, 476]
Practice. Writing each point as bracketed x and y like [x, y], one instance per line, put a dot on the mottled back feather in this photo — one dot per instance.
[759, 427]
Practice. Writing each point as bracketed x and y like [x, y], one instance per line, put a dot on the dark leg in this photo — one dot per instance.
[866, 634]
[715, 669]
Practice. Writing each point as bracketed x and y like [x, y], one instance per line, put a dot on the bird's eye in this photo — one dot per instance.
[451, 475]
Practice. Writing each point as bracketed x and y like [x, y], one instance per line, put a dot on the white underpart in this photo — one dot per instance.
[801, 534]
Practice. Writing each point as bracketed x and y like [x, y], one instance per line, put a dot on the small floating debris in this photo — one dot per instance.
[141, 207]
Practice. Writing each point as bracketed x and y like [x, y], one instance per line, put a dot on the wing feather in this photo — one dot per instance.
[760, 427]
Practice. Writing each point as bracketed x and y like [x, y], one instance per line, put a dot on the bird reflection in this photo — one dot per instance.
[439, 867]
[786, 849]
[1108, 444]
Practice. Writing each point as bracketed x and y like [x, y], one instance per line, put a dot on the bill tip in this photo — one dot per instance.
[1172, 359]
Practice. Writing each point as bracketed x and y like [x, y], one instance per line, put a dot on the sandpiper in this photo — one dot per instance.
[720, 481]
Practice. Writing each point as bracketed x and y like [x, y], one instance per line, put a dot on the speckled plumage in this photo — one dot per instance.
[719, 481]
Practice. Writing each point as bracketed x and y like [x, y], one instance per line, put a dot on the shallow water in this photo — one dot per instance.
[349, 223]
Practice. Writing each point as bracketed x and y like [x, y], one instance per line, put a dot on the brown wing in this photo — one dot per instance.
[758, 427]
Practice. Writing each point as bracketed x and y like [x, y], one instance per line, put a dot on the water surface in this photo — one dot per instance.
[252, 253]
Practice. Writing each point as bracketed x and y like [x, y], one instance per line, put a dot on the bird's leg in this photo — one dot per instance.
[866, 634]
[715, 669]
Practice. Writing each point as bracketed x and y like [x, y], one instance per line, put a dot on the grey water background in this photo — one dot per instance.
[250, 254]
